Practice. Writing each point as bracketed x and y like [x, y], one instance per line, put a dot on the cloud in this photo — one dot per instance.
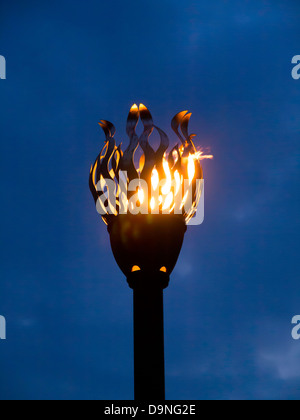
[285, 363]
[184, 268]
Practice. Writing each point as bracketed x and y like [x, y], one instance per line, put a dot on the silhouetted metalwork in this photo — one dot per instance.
[112, 163]
[150, 243]
[147, 246]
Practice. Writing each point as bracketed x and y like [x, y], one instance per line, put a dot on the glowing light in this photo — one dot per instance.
[184, 200]
[201, 156]
[168, 201]
[177, 182]
[168, 180]
[152, 203]
[143, 107]
[191, 168]
[141, 195]
[167, 188]
[155, 179]
[168, 173]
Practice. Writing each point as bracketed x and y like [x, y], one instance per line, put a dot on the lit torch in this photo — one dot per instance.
[147, 207]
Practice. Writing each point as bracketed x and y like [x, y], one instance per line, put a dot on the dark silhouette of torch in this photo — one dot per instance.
[147, 207]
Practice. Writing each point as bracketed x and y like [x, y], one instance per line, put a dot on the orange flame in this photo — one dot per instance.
[166, 176]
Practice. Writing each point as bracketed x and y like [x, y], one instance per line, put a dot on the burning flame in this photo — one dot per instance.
[166, 176]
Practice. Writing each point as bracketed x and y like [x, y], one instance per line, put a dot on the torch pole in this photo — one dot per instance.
[149, 358]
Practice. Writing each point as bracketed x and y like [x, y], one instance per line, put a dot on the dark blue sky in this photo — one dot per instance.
[236, 288]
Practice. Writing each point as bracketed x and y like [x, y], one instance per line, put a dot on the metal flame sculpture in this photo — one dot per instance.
[147, 231]
[166, 175]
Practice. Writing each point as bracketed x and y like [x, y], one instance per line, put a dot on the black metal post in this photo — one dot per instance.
[146, 248]
[149, 356]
